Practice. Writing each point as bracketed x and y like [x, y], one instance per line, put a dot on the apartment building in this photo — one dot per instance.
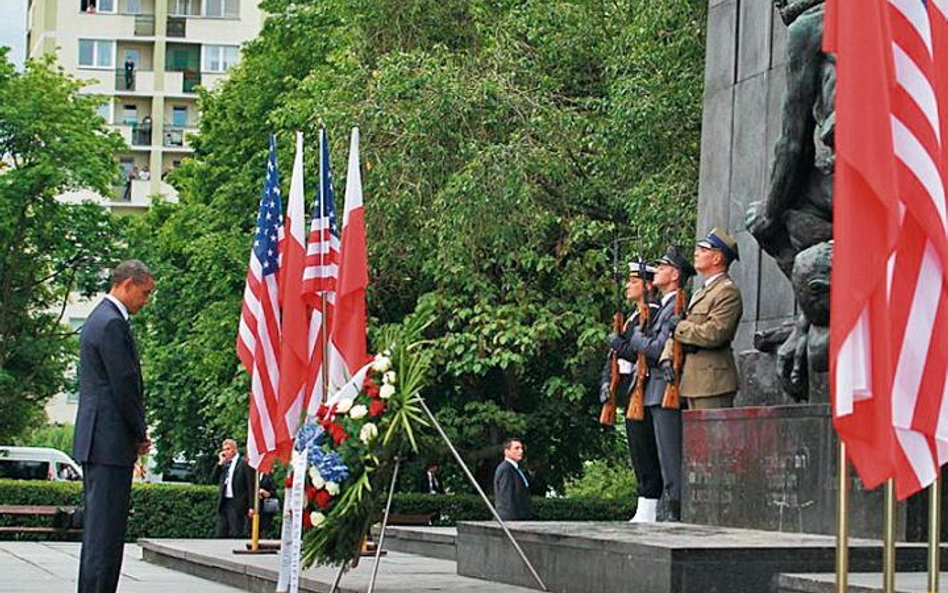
[146, 58]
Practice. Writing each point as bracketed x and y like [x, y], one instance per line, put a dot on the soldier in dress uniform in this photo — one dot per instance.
[709, 376]
[662, 416]
[641, 439]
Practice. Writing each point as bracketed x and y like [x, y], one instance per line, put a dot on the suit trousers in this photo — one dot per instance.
[666, 425]
[231, 522]
[644, 451]
[105, 496]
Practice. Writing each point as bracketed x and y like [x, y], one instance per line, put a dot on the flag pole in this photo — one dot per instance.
[842, 523]
[323, 327]
[934, 534]
[888, 549]
[255, 522]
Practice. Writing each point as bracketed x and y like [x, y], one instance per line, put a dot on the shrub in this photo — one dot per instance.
[190, 512]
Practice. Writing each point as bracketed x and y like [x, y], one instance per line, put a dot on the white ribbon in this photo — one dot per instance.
[292, 534]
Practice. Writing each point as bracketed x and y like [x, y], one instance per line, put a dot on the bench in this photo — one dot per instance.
[406, 519]
[60, 518]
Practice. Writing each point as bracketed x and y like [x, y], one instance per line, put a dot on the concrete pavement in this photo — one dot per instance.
[52, 567]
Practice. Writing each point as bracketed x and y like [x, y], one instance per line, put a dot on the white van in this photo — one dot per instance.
[37, 463]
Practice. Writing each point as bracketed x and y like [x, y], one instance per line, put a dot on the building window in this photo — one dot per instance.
[218, 58]
[179, 116]
[185, 7]
[92, 6]
[133, 6]
[105, 111]
[96, 53]
[221, 8]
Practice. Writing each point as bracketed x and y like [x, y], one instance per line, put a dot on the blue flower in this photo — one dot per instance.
[310, 435]
[331, 467]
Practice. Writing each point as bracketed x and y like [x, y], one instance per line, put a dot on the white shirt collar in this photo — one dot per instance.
[668, 297]
[121, 306]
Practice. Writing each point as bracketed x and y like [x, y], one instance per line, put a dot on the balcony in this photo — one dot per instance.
[175, 138]
[182, 81]
[177, 26]
[135, 82]
[145, 25]
[136, 135]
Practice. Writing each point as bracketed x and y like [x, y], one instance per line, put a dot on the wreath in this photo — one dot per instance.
[353, 445]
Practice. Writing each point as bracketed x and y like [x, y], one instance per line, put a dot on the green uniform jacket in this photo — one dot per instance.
[711, 323]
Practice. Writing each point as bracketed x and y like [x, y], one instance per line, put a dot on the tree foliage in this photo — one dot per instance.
[51, 141]
[506, 143]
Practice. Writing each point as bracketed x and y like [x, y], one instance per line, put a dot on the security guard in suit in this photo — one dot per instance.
[709, 375]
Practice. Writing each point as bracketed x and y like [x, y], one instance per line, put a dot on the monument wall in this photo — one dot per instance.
[743, 86]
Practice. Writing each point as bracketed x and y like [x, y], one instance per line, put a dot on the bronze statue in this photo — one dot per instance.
[794, 223]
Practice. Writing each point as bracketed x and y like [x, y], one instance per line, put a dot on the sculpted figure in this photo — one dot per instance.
[794, 223]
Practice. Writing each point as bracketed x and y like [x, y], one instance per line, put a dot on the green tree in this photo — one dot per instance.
[505, 143]
[51, 141]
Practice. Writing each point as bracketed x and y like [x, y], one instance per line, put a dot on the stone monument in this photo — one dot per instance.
[766, 176]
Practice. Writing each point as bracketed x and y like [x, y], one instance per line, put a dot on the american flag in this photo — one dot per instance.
[322, 270]
[897, 422]
[258, 338]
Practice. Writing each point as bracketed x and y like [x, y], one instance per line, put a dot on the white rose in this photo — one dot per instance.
[381, 363]
[342, 406]
[389, 378]
[318, 481]
[314, 473]
[369, 431]
[358, 412]
[387, 391]
[316, 518]
[332, 488]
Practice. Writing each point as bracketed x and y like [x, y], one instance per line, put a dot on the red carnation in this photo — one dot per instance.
[288, 483]
[370, 387]
[310, 492]
[323, 499]
[322, 411]
[307, 522]
[376, 407]
[337, 433]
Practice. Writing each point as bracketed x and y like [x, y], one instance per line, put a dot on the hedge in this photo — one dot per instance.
[183, 511]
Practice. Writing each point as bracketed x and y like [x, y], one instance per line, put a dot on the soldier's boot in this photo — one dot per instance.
[645, 511]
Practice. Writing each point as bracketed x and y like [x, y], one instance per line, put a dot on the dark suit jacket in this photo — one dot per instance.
[243, 484]
[110, 422]
[511, 495]
[425, 486]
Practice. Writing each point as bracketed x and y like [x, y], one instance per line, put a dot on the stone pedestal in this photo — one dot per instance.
[771, 468]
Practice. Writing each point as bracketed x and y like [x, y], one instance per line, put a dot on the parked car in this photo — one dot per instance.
[37, 463]
[181, 470]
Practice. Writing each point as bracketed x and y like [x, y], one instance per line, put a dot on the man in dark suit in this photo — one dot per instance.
[430, 483]
[511, 487]
[110, 428]
[235, 498]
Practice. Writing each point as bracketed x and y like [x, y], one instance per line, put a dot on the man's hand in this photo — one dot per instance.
[668, 372]
[144, 447]
[222, 458]
[673, 321]
[264, 493]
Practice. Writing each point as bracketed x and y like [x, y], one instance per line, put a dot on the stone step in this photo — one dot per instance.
[659, 557]
[398, 573]
[865, 582]
[430, 542]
